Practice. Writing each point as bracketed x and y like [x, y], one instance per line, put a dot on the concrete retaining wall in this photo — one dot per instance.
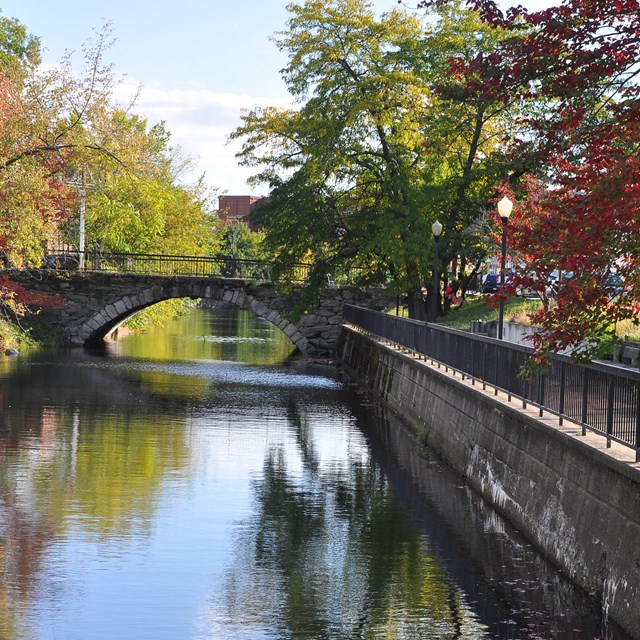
[577, 504]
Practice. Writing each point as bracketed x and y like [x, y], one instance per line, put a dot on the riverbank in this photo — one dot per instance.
[12, 337]
[578, 502]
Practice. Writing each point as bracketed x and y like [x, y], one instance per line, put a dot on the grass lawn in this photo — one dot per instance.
[515, 310]
[476, 308]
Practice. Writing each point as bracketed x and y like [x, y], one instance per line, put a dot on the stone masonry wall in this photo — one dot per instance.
[94, 304]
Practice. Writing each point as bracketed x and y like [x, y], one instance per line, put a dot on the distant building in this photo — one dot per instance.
[235, 208]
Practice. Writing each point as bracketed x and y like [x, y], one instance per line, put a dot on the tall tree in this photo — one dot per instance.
[61, 135]
[382, 143]
[136, 202]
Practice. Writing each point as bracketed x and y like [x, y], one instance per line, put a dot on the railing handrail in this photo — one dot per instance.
[632, 374]
[601, 398]
[223, 265]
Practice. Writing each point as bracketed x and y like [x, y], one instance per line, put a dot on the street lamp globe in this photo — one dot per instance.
[436, 228]
[505, 207]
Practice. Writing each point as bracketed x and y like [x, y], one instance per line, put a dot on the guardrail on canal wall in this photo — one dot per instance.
[575, 499]
[601, 398]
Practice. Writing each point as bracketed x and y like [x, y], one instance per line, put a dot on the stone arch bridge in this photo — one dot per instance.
[94, 304]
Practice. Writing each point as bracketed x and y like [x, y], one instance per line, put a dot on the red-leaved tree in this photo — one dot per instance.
[576, 66]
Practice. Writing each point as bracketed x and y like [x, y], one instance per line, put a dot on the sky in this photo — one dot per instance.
[199, 64]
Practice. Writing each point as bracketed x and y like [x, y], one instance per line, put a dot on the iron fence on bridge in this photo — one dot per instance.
[160, 264]
[601, 398]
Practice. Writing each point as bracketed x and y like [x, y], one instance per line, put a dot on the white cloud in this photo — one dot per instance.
[200, 122]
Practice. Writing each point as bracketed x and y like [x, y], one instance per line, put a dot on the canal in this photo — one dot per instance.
[197, 482]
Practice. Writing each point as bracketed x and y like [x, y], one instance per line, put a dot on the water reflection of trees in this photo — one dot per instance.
[77, 463]
[228, 334]
[329, 553]
[90, 440]
[514, 589]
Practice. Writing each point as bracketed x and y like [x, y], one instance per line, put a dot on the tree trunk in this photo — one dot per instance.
[417, 305]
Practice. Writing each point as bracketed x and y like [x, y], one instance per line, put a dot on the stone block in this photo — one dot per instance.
[310, 319]
[290, 330]
[320, 345]
[274, 317]
[316, 328]
[630, 356]
[261, 309]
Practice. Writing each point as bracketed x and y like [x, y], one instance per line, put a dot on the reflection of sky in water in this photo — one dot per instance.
[230, 339]
[217, 371]
[237, 373]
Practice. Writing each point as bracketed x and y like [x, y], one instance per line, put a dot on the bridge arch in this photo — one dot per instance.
[94, 303]
[98, 323]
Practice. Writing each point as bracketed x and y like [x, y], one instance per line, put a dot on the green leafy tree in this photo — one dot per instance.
[138, 204]
[242, 249]
[63, 143]
[384, 142]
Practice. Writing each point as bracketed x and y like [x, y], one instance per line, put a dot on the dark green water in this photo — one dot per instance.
[194, 483]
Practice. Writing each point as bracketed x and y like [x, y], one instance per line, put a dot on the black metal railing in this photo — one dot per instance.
[600, 398]
[159, 264]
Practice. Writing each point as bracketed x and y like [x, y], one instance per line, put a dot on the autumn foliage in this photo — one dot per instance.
[14, 297]
[66, 147]
[575, 69]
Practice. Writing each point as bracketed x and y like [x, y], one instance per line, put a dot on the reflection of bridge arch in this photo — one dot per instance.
[98, 323]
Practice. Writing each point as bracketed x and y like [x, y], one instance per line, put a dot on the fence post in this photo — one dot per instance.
[540, 394]
[484, 365]
[473, 364]
[562, 390]
[610, 390]
[497, 363]
[638, 422]
[510, 365]
[585, 389]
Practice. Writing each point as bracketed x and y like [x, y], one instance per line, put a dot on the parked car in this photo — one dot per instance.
[614, 284]
[490, 283]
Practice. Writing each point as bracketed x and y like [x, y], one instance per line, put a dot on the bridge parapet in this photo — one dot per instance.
[97, 303]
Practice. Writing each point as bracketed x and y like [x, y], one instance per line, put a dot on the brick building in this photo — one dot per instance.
[236, 208]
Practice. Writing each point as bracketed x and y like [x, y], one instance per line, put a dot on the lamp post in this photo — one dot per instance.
[436, 229]
[504, 211]
[80, 182]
